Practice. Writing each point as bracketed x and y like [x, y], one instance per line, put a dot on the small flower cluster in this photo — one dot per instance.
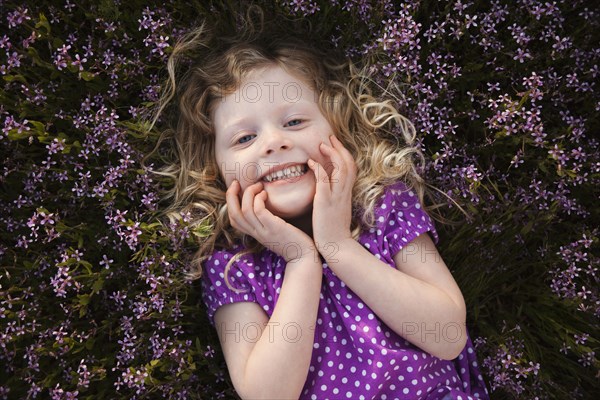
[508, 367]
[576, 276]
[302, 7]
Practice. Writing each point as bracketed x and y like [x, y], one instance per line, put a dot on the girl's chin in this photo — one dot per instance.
[288, 213]
[294, 202]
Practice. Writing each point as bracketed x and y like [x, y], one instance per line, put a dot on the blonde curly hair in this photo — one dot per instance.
[204, 67]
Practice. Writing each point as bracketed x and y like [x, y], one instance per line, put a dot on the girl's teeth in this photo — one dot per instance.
[290, 172]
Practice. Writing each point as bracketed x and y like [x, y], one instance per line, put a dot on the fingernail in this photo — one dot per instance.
[311, 163]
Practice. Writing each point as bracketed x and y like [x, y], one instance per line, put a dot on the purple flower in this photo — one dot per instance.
[17, 17]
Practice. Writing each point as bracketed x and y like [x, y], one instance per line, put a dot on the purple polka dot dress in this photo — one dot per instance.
[355, 355]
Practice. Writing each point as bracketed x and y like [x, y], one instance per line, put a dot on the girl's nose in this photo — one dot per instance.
[276, 140]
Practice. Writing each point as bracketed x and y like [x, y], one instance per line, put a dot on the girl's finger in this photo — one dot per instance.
[344, 153]
[339, 169]
[248, 205]
[260, 208]
[322, 179]
[234, 211]
[347, 157]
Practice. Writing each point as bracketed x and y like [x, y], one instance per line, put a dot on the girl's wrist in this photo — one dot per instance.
[303, 254]
[309, 265]
[333, 251]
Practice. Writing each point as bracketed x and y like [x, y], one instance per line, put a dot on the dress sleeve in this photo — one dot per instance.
[219, 289]
[404, 218]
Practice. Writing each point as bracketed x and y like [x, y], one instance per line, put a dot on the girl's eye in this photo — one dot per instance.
[245, 138]
[294, 122]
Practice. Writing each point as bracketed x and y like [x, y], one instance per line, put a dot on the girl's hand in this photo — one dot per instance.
[253, 219]
[332, 207]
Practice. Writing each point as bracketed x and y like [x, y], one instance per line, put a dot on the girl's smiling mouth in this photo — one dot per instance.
[283, 172]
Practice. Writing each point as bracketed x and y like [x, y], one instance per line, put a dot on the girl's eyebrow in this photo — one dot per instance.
[235, 124]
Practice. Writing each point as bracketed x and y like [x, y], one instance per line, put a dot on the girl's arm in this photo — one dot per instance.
[273, 363]
[276, 365]
[419, 299]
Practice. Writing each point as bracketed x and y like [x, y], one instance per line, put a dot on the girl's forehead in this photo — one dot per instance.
[272, 83]
[271, 73]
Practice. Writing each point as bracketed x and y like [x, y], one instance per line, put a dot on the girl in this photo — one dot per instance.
[320, 275]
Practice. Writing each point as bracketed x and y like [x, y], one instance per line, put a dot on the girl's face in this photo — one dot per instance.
[266, 131]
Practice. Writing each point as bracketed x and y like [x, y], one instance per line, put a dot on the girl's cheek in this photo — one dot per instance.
[250, 172]
[245, 174]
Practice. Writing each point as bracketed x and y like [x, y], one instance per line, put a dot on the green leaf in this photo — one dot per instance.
[12, 78]
[43, 23]
[87, 76]
[14, 134]
[97, 286]
[84, 299]
[38, 127]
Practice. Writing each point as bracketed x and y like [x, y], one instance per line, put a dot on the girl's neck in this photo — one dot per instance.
[304, 223]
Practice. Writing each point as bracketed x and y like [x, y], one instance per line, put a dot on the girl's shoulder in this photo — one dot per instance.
[233, 275]
[399, 218]
[399, 198]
